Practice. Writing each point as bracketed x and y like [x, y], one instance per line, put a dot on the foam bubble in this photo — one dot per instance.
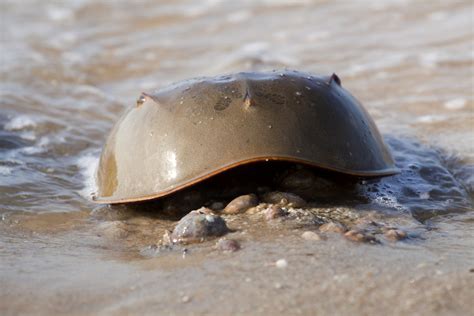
[239, 16]
[20, 122]
[455, 104]
[87, 165]
[59, 14]
[427, 119]
[38, 148]
[29, 135]
[424, 195]
[5, 171]
[429, 60]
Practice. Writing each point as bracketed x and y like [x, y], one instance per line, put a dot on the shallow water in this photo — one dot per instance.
[69, 69]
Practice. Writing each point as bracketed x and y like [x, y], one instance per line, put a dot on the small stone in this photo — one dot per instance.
[281, 263]
[114, 230]
[309, 235]
[166, 240]
[359, 236]
[332, 227]
[197, 226]
[298, 179]
[395, 234]
[185, 299]
[228, 245]
[284, 198]
[217, 206]
[241, 204]
[274, 211]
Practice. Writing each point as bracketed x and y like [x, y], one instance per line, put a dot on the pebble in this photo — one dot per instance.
[197, 226]
[332, 227]
[298, 179]
[114, 230]
[359, 236]
[284, 198]
[185, 299]
[241, 204]
[281, 263]
[228, 245]
[217, 206]
[395, 234]
[274, 211]
[309, 235]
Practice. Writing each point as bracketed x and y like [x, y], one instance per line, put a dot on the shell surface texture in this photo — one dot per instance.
[197, 128]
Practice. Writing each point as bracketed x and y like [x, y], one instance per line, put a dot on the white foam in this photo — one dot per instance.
[254, 47]
[427, 119]
[87, 165]
[59, 14]
[438, 16]
[239, 16]
[5, 171]
[455, 104]
[38, 148]
[424, 195]
[388, 201]
[20, 122]
[29, 135]
[429, 60]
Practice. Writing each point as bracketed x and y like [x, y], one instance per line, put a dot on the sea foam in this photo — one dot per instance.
[87, 165]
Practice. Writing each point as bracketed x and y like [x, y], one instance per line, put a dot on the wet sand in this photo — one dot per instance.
[76, 272]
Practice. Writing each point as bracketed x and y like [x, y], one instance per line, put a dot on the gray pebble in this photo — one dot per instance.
[217, 206]
[197, 226]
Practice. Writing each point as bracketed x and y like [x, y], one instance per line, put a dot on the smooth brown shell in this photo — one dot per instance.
[197, 128]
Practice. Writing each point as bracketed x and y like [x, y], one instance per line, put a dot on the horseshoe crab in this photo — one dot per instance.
[195, 129]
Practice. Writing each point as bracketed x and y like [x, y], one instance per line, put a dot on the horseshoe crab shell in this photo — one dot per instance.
[195, 129]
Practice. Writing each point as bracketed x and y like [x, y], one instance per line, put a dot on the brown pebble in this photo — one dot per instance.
[241, 204]
[298, 179]
[309, 235]
[284, 198]
[274, 211]
[395, 234]
[359, 236]
[228, 245]
[332, 227]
